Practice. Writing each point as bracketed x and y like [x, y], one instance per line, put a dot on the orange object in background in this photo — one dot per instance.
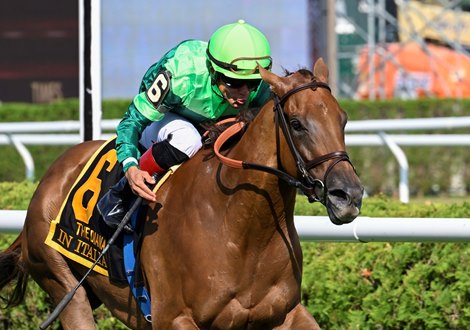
[409, 71]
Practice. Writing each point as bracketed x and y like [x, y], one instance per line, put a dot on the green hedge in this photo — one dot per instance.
[388, 286]
[61, 110]
[357, 110]
[345, 285]
[433, 170]
[424, 108]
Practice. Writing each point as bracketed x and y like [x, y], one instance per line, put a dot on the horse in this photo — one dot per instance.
[219, 249]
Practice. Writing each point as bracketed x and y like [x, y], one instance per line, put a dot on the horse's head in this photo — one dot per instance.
[313, 147]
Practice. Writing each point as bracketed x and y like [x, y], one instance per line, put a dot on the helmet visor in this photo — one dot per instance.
[238, 65]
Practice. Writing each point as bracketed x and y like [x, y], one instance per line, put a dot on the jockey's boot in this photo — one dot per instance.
[113, 206]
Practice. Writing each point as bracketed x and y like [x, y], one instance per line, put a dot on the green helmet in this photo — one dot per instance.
[236, 49]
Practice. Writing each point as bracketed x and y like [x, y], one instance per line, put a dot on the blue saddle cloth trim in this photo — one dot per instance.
[140, 293]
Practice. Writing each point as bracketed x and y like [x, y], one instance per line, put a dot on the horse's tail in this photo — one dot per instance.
[11, 268]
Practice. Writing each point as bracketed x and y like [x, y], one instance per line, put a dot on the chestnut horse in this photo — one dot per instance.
[220, 250]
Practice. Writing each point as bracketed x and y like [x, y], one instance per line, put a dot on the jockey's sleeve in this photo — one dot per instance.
[145, 108]
[129, 131]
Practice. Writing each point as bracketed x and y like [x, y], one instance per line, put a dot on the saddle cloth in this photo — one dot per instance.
[78, 232]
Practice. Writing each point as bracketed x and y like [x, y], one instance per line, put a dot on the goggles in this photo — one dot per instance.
[251, 84]
[232, 66]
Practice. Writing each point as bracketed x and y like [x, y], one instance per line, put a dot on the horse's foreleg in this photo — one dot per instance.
[299, 319]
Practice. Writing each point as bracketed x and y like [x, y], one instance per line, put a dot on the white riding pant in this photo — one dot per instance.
[178, 130]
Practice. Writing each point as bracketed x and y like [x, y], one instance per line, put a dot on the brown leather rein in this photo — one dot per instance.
[313, 188]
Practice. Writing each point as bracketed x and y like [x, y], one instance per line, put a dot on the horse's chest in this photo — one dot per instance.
[257, 307]
[259, 293]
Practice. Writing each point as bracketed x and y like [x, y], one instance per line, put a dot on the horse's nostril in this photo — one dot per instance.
[340, 195]
[347, 196]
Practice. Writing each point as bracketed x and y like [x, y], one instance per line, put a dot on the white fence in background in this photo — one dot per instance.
[318, 228]
[39, 133]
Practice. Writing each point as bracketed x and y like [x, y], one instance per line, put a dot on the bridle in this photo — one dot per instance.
[313, 188]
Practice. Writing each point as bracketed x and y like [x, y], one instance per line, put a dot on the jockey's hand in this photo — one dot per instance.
[137, 181]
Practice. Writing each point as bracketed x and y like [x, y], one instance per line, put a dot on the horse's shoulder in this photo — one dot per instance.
[87, 147]
[76, 155]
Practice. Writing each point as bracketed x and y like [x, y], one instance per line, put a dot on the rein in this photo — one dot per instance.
[313, 188]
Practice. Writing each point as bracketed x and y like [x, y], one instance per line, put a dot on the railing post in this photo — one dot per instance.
[403, 189]
[25, 154]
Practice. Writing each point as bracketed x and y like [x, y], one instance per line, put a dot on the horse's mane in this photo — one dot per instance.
[214, 129]
[303, 71]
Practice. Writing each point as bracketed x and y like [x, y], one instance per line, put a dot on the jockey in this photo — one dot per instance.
[196, 81]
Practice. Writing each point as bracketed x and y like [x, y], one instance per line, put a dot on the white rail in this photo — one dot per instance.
[354, 126]
[51, 126]
[414, 140]
[376, 125]
[366, 229]
[320, 228]
[32, 133]
[12, 221]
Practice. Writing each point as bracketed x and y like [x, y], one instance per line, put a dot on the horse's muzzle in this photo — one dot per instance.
[344, 205]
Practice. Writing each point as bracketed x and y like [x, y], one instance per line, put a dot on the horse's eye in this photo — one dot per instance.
[296, 125]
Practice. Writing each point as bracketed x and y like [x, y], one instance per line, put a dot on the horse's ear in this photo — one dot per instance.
[277, 83]
[320, 70]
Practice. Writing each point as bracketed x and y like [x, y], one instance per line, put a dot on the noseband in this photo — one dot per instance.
[313, 188]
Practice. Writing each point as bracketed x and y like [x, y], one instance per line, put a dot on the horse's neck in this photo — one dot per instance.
[266, 200]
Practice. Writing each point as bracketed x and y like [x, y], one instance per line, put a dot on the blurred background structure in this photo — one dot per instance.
[376, 49]
[94, 50]
[38, 50]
